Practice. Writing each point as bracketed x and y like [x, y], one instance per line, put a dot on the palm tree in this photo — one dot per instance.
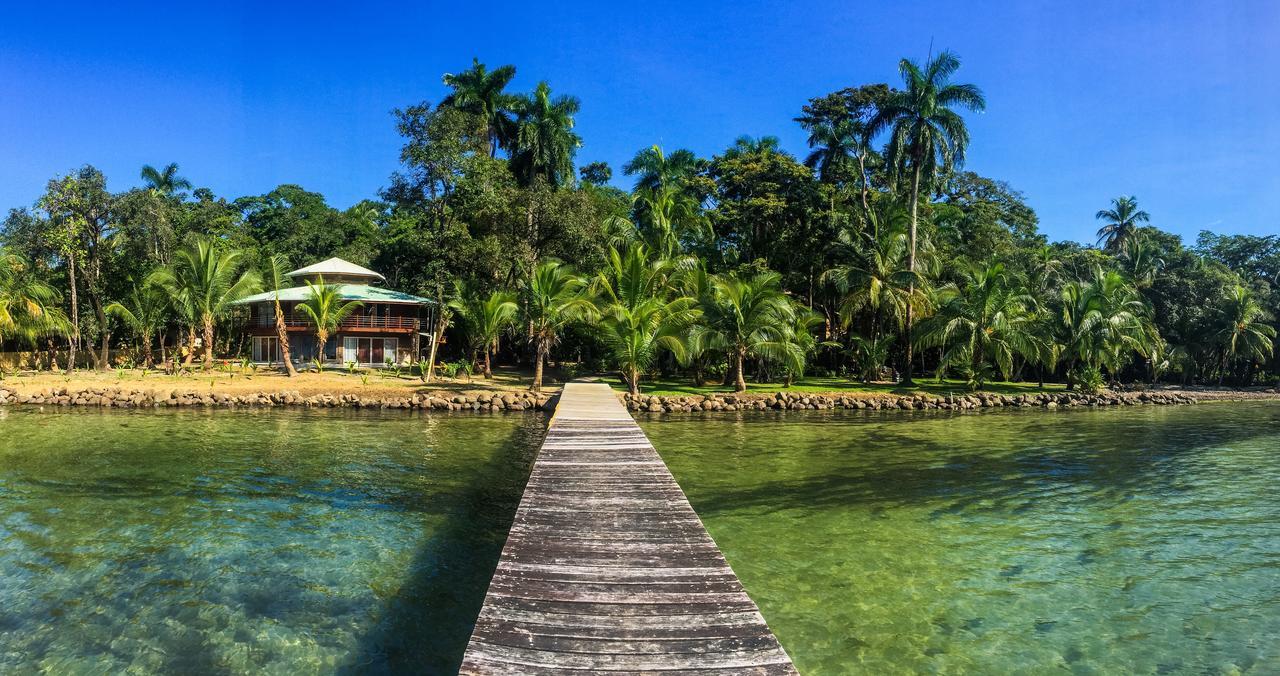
[877, 280]
[480, 91]
[1120, 223]
[1142, 260]
[28, 306]
[146, 311]
[804, 344]
[1104, 320]
[545, 142]
[640, 312]
[927, 137]
[275, 280]
[670, 215]
[204, 280]
[1246, 331]
[655, 169]
[554, 296]
[165, 182]
[326, 309]
[982, 320]
[749, 145]
[485, 318]
[748, 318]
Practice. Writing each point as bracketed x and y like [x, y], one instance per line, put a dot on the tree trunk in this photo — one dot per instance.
[282, 335]
[431, 356]
[191, 345]
[488, 364]
[208, 340]
[104, 361]
[862, 169]
[911, 265]
[633, 380]
[74, 341]
[739, 383]
[147, 361]
[539, 357]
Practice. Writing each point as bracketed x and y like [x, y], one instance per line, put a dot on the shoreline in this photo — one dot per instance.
[452, 399]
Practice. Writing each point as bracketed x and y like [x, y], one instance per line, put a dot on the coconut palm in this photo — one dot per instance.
[165, 182]
[981, 321]
[836, 147]
[28, 306]
[1104, 320]
[554, 296]
[670, 216]
[326, 310]
[749, 317]
[274, 279]
[205, 279]
[484, 318]
[804, 343]
[545, 142]
[640, 314]
[877, 280]
[654, 169]
[1246, 332]
[145, 310]
[927, 138]
[1120, 223]
[480, 91]
[1142, 260]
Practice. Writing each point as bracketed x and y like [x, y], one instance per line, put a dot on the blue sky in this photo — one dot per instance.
[1174, 102]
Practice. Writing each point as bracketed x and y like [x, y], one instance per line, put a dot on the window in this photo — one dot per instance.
[266, 349]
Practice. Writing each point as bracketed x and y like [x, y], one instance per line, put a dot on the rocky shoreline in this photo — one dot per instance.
[792, 401]
[124, 397]
[120, 397]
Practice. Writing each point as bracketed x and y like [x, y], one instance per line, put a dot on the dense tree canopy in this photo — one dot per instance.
[753, 263]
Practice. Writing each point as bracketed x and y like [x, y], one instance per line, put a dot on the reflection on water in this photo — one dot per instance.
[1134, 540]
[290, 542]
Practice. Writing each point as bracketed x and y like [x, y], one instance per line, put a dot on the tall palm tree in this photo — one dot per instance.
[750, 145]
[983, 320]
[927, 137]
[545, 142]
[641, 314]
[1120, 223]
[877, 280]
[1246, 331]
[654, 169]
[480, 91]
[146, 311]
[326, 309]
[748, 318]
[166, 182]
[670, 216]
[28, 306]
[554, 296]
[274, 279]
[484, 318]
[1142, 260]
[205, 279]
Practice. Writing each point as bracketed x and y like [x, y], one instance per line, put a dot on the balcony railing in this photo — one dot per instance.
[352, 322]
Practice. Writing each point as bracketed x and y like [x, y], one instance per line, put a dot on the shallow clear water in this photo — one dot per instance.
[1132, 540]
[250, 542]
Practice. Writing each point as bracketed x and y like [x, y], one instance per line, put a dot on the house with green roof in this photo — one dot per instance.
[389, 326]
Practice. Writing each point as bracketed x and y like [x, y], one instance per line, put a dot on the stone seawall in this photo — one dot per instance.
[791, 401]
[121, 397]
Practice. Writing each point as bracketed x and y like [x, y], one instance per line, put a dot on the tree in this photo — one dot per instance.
[640, 315]
[480, 91]
[1120, 223]
[165, 181]
[545, 142]
[982, 321]
[749, 317]
[1104, 320]
[927, 137]
[484, 317]
[595, 173]
[554, 296]
[274, 279]
[326, 310]
[146, 311]
[878, 279]
[28, 306]
[1246, 332]
[839, 126]
[205, 279]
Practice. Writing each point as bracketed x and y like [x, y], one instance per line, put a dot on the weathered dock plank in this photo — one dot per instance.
[608, 568]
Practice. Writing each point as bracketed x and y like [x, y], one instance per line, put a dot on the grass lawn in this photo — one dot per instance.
[375, 383]
[929, 385]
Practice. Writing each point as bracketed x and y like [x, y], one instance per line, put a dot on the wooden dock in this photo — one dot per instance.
[607, 567]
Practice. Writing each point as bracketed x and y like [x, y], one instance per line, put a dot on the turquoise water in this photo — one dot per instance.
[250, 542]
[1134, 540]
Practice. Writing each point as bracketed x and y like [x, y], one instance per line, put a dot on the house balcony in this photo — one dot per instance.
[353, 323]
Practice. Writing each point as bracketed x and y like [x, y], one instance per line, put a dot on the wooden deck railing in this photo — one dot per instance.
[352, 322]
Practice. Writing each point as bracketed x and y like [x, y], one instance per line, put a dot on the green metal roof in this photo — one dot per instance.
[361, 292]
